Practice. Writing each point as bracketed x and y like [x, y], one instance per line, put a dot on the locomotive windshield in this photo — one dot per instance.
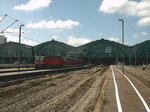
[39, 58]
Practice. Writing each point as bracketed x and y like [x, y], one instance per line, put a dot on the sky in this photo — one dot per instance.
[75, 22]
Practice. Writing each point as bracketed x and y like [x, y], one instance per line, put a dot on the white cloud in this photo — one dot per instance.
[23, 40]
[78, 41]
[113, 39]
[132, 8]
[140, 34]
[128, 7]
[53, 24]
[54, 37]
[136, 36]
[33, 5]
[144, 33]
[14, 31]
[29, 42]
[12, 38]
[144, 21]
[111, 6]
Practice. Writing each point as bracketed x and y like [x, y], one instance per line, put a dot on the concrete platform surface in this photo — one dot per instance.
[126, 99]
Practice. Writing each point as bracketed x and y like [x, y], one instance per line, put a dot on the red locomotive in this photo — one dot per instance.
[56, 62]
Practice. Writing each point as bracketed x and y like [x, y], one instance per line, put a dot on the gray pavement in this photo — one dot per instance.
[129, 100]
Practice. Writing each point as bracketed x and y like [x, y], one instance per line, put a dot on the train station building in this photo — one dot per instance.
[110, 52]
[3, 39]
[9, 53]
[97, 52]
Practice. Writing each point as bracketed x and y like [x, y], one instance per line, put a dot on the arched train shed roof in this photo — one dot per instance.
[90, 46]
[139, 49]
[53, 48]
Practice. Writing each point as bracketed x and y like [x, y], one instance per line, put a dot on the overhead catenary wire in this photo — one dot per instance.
[18, 21]
[3, 18]
[31, 39]
[8, 26]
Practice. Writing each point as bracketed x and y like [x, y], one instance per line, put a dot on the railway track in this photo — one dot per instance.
[71, 91]
[22, 75]
[15, 70]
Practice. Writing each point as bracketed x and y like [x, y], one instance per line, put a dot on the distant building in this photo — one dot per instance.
[3, 39]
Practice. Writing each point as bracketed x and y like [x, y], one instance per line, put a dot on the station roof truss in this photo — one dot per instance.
[10, 49]
[53, 48]
[96, 49]
[105, 48]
